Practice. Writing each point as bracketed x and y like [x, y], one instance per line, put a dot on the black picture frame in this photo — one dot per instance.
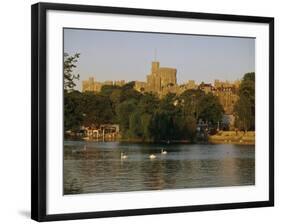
[38, 108]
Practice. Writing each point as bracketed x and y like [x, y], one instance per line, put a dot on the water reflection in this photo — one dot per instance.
[92, 167]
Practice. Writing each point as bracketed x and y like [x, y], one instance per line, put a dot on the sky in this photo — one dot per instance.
[120, 55]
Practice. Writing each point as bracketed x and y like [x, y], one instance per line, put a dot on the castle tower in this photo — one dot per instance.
[161, 78]
[88, 85]
[154, 67]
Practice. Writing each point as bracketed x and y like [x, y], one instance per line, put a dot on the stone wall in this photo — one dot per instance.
[93, 86]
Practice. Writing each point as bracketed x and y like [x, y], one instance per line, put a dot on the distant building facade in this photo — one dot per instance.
[163, 80]
[93, 86]
[140, 86]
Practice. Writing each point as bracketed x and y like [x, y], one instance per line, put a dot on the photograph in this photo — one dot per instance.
[146, 111]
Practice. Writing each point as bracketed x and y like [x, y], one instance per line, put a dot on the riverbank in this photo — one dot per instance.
[233, 137]
[222, 137]
[125, 140]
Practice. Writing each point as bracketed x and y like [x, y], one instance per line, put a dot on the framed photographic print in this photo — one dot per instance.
[140, 111]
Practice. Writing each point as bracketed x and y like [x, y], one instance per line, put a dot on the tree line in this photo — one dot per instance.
[145, 116]
[142, 115]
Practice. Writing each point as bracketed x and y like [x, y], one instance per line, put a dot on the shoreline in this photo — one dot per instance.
[209, 142]
[222, 137]
[233, 137]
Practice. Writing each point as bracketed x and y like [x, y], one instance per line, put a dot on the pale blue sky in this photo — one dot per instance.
[114, 55]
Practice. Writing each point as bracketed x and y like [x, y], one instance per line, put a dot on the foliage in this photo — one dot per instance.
[96, 109]
[142, 116]
[210, 109]
[73, 115]
[123, 112]
[135, 125]
[69, 64]
[189, 100]
[244, 108]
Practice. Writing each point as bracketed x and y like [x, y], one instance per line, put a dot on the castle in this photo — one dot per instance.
[93, 86]
[163, 80]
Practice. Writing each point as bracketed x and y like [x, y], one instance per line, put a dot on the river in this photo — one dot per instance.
[96, 167]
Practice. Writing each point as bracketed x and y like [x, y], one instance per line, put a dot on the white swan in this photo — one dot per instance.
[123, 156]
[164, 152]
[78, 150]
[73, 150]
[152, 156]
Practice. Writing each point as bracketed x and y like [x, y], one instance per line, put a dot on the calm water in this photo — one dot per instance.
[92, 167]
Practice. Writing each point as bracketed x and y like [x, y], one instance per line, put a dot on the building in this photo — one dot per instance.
[93, 86]
[191, 84]
[140, 86]
[226, 84]
[161, 79]
[88, 85]
[119, 83]
[206, 87]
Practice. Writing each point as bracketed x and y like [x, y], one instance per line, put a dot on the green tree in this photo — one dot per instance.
[128, 93]
[115, 97]
[146, 120]
[160, 126]
[244, 108]
[69, 77]
[73, 114]
[186, 128]
[97, 109]
[107, 90]
[210, 109]
[123, 112]
[189, 101]
[243, 115]
[148, 103]
[135, 125]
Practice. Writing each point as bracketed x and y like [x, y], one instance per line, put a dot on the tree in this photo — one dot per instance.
[129, 93]
[115, 96]
[135, 125]
[107, 90]
[244, 108]
[97, 109]
[73, 114]
[187, 128]
[146, 120]
[163, 122]
[160, 126]
[123, 112]
[148, 103]
[69, 64]
[243, 117]
[189, 100]
[210, 109]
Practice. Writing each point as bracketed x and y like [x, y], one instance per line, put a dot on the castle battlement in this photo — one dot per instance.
[163, 80]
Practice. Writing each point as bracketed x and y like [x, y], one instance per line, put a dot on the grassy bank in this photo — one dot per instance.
[233, 137]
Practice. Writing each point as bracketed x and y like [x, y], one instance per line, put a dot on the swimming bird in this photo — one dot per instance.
[79, 149]
[74, 151]
[152, 156]
[164, 152]
[123, 156]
